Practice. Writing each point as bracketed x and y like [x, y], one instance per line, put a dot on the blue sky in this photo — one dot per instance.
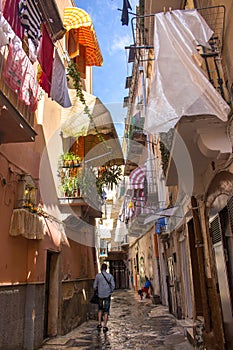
[109, 80]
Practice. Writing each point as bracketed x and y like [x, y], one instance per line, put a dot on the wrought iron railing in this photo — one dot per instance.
[78, 182]
[143, 44]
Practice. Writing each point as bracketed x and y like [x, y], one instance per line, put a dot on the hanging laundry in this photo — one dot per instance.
[45, 58]
[125, 13]
[179, 87]
[59, 90]
[31, 20]
[11, 14]
[129, 209]
[6, 32]
[20, 75]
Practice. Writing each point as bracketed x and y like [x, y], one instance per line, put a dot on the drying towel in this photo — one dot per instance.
[11, 14]
[30, 18]
[6, 33]
[26, 224]
[45, 59]
[125, 13]
[59, 90]
[20, 75]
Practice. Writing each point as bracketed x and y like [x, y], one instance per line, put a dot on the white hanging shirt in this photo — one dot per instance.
[179, 86]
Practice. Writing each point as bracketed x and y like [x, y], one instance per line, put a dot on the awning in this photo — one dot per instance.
[169, 212]
[137, 178]
[83, 30]
[76, 123]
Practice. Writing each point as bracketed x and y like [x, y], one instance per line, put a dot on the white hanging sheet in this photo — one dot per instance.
[179, 86]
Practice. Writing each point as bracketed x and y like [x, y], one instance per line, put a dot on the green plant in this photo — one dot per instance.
[69, 157]
[68, 186]
[166, 139]
[71, 183]
[108, 176]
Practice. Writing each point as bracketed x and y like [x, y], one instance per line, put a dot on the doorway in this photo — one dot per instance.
[195, 269]
[188, 312]
[172, 289]
[120, 273]
[52, 292]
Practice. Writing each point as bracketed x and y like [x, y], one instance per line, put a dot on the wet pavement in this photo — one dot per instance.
[133, 324]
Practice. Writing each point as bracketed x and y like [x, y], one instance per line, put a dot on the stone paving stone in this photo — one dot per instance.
[133, 324]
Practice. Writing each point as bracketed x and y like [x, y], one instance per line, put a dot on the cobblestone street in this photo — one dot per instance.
[133, 324]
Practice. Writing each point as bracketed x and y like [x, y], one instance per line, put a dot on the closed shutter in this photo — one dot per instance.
[80, 60]
[224, 220]
[216, 230]
[230, 212]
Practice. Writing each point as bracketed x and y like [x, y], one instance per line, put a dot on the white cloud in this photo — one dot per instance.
[134, 3]
[119, 43]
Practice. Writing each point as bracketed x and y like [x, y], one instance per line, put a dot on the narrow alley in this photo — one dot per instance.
[133, 324]
[116, 150]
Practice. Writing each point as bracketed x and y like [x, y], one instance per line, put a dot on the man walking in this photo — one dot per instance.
[105, 284]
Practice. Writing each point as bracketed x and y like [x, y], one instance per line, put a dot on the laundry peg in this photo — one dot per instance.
[164, 10]
[170, 9]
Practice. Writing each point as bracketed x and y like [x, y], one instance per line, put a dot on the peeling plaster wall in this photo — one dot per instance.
[75, 304]
[148, 266]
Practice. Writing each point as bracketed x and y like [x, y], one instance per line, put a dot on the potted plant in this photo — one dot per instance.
[70, 159]
[77, 185]
[77, 160]
[108, 176]
[66, 159]
[68, 186]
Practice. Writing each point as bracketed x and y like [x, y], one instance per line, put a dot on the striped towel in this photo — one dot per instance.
[30, 19]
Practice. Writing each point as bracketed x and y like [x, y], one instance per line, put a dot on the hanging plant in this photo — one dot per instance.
[108, 176]
[166, 139]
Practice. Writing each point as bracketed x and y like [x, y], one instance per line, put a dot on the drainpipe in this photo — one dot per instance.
[201, 263]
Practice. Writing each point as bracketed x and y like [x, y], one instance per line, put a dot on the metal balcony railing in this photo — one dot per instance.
[142, 27]
[143, 46]
[78, 184]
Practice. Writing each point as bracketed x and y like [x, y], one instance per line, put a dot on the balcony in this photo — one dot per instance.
[17, 120]
[214, 16]
[135, 150]
[137, 227]
[78, 187]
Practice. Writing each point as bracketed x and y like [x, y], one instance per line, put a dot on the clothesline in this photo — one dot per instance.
[52, 77]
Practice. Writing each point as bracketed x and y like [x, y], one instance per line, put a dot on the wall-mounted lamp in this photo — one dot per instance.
[27, 192]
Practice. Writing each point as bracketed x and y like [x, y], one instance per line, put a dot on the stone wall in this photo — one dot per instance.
[21, 316]
[76, 308]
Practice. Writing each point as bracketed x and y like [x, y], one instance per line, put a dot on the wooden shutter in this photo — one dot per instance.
[81, 61]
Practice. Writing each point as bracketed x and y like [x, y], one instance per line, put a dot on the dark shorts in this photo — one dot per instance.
[104, 304]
